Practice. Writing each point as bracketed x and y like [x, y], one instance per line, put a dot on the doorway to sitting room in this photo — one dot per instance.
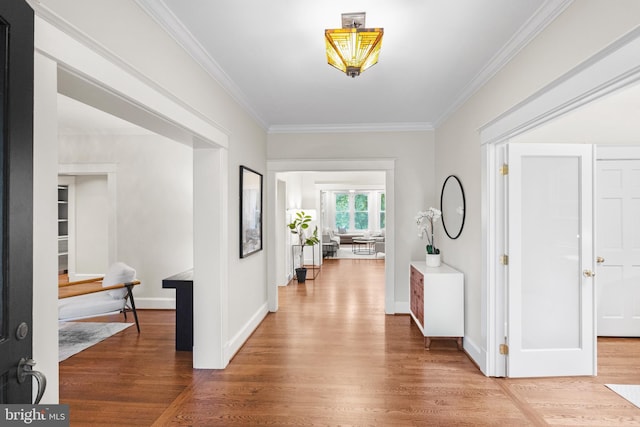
[383, 170]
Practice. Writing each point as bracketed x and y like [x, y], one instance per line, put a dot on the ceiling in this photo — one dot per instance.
[300, 91]
[269, 55]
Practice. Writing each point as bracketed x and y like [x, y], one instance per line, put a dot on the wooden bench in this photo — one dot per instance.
[90, 286]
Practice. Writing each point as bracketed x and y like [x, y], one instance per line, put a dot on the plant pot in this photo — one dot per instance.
[433, 260]
[301, 274]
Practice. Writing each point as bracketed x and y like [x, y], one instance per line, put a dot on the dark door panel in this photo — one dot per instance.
[16, 193]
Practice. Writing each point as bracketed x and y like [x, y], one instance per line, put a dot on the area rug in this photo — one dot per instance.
[628, 391]
[73, 337]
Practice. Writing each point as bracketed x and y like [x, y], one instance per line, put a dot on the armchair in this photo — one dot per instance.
[99, 296]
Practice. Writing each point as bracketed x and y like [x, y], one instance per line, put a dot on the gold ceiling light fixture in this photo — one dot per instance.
[353, 48]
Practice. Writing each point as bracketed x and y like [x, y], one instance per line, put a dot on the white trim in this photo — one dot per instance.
[44, 13]
[475, 352]
[492, 296]
[210, 257]
[87, 168]
[332, 165]
[615, 67]
[167, 20]
[98, 70]
[353, 127]
[235, 343]
[611, 69]
[155, 303]
[617, 152]
[402, 307]
[83, 61]
[346, 187]
[546, 14]
[110, 170]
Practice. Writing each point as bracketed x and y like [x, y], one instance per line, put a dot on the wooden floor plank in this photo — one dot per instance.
[330, 356]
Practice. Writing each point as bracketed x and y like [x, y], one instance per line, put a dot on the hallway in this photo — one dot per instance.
[330, 356]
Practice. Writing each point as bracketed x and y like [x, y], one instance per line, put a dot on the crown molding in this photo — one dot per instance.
[352, 128]
[545, 14]
[47, 15]
[613, 68]
[160, 12]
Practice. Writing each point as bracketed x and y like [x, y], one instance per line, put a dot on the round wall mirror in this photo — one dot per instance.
[452, 205]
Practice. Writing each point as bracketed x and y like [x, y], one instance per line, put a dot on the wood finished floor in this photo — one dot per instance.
[329, 357]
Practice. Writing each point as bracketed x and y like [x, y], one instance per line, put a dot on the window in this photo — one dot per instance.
[354, 210]
[361, 211]
[383, 211]
[342, 211]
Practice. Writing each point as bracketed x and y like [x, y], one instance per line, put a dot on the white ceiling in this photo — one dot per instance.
[466, 41]
[270, 55]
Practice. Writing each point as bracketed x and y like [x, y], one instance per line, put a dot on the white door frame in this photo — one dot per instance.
[110, 171]
[613, 68]
[63, 51]
[609, 153]
[275, 166]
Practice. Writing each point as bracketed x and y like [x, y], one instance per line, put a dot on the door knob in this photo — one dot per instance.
[599, 260]
[588, 273]
[25, 369]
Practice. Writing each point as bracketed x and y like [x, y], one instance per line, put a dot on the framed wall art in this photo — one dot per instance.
[250, 211]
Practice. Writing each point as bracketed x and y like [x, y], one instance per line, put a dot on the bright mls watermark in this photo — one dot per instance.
[34, 415]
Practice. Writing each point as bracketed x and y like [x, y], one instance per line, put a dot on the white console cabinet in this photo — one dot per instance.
[437, 301]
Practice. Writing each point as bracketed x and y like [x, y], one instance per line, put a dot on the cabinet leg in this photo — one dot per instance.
[459, 340]
[427, 343]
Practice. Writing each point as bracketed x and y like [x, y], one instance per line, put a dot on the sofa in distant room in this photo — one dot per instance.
[347, 238]
[330, 244]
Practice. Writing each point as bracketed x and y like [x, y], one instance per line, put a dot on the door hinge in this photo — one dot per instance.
[504, 169]
[504, 349]
[504, 259]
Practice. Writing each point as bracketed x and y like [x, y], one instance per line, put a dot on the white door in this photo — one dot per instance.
[618, 244]
[550, 291]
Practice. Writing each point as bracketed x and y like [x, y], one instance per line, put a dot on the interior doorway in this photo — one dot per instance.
[274, 168]
[616, 67]
[617, 241]
[86, 236]
[550, 269]
[62, 65]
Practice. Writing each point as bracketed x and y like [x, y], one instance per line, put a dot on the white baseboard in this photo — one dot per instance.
[402, 307]
[83, 276]
[476, 354]
[234, 344]
[155, 303]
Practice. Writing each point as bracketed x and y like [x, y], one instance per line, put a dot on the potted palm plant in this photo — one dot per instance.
[299, 227]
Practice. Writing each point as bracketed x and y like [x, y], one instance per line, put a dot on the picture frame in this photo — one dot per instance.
[250, 211]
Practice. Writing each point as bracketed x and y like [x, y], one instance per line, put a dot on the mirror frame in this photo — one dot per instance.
[250, 180]
[464, 207]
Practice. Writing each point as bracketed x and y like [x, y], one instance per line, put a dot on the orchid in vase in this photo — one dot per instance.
[425, 221]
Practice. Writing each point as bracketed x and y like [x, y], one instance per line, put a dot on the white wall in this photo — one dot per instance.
[154, 205]
[584, 28]
[120, 30]
[415, 188]
[91, 222]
